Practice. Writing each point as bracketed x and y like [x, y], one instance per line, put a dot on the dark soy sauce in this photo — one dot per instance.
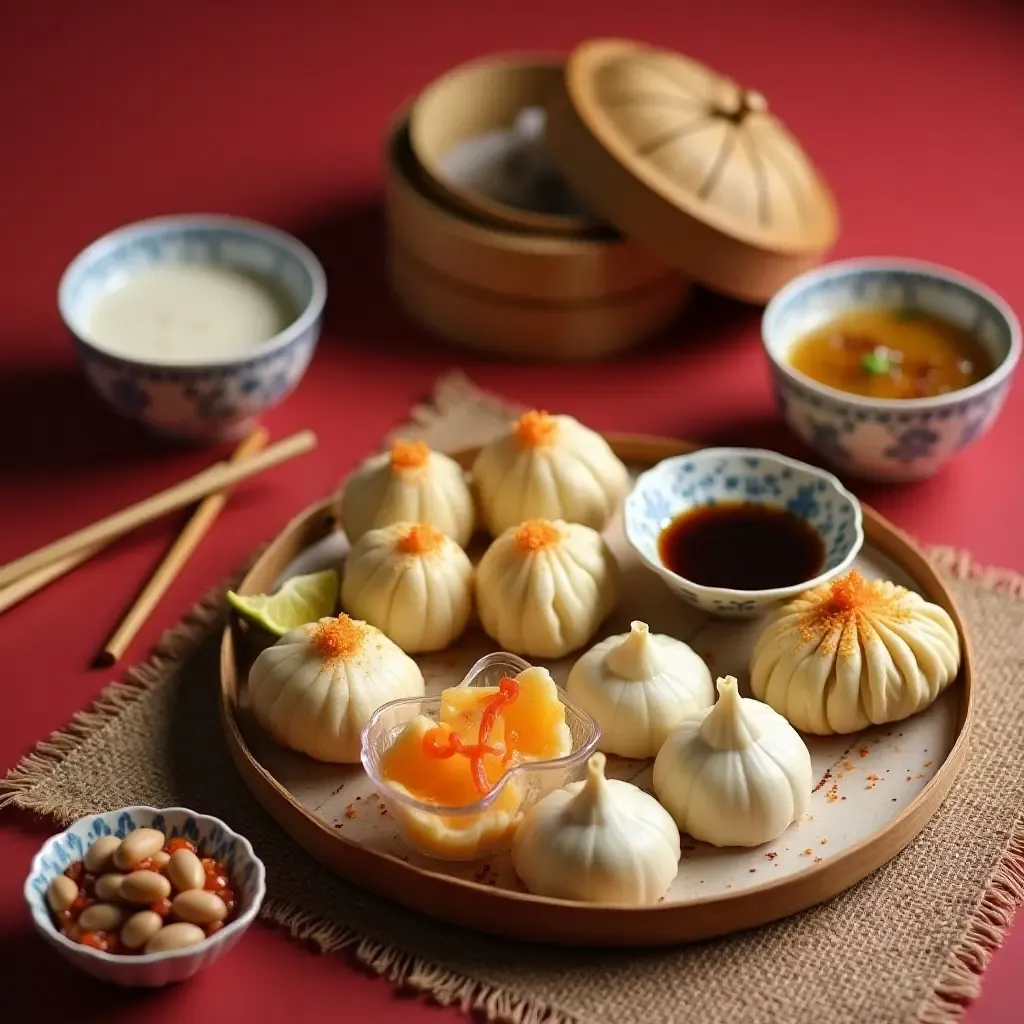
[742, 546]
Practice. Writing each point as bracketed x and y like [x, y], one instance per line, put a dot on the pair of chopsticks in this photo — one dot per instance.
[26, 575]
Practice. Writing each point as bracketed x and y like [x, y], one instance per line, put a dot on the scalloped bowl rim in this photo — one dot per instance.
[850, 268]
[114, 239]
[779, 593]
[44, 922]
[570, 760]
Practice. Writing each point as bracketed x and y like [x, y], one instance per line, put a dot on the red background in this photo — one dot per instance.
[114, 111]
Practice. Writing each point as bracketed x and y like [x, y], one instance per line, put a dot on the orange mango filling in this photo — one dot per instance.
[445, 781]
[531, 728]
[482, 731]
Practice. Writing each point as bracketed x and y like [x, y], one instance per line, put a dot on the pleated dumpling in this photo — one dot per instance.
[408, 484]
[317, 687]
[412, 582]
[853, 653]
[549, 467]
[544, 587]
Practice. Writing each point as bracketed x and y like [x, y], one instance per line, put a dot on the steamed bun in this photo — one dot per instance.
[853, 653]
[409, 484]
[544, 587]
[548, 467]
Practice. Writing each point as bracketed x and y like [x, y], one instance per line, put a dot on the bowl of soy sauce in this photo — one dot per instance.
[735, 531]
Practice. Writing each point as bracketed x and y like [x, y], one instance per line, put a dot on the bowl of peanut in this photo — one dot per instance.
[142, 896]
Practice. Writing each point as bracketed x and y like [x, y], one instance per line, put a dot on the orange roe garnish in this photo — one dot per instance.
[439, 743]
[419, 539]
[409, 454]
[338, 639]
[535, 428]
[847, 592]
[536, 534]
[837, 620]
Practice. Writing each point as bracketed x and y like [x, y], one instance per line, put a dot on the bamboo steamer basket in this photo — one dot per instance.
[696, 182]
[468, 102]
[517, 293]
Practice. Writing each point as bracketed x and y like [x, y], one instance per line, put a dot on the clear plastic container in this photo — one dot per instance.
[488, 824]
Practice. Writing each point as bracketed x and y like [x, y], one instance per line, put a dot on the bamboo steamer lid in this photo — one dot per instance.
[691, 165]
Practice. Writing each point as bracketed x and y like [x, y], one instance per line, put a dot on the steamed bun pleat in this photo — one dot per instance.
[851, 653]
[548, 467]
[413, 583]
[543, 587]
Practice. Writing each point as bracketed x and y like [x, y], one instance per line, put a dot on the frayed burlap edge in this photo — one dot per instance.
[960, 980]
[173, 647]
[961, 566]
[957, 985]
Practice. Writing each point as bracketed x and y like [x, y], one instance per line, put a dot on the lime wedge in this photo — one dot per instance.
[300, 600]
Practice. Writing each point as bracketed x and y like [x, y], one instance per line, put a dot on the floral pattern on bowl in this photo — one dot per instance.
[214, 401]
[713, 475]
[154, 969]
[889, 439]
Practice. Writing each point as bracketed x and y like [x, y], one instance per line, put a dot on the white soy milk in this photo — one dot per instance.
[186, 312]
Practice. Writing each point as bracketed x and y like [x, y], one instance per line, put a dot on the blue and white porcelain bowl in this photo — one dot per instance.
[150, 970]
[210, 400]
[888, 439]
[714, 475]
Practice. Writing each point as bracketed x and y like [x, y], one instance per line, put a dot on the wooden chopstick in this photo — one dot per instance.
[189, 538]
[216, 478]
[27, 585]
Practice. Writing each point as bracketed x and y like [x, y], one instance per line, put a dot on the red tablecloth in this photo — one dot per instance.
[113, 111]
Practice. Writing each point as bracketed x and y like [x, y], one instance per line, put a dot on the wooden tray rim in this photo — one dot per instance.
[542, 919]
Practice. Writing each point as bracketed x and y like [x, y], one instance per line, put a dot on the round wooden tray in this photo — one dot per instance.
[876, 791]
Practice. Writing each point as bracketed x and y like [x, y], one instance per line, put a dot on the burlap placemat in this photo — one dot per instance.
[907, 944]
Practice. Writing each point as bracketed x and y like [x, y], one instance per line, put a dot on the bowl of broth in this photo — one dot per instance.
[735, 531]
[194, 325]
[888, 367]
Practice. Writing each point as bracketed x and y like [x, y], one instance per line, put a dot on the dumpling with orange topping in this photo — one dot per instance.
[408, 484]
[854, 653]
[544, 587]
[549, 467]
[317, 687]
[412, 582]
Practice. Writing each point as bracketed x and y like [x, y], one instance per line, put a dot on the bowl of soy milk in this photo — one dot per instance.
[193, 325]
